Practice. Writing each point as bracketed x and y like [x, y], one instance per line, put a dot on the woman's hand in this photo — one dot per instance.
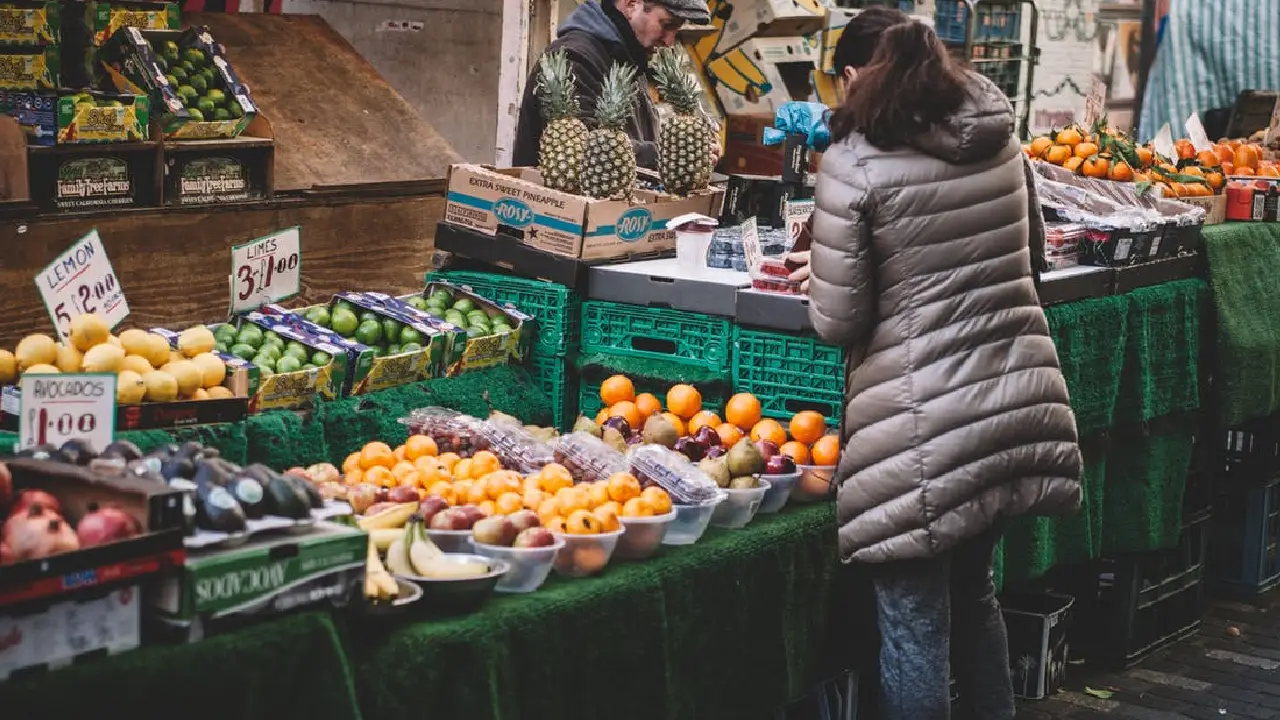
[801, 273]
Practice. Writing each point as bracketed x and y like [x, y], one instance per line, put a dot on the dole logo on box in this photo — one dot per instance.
[633, 225]
[513, 212]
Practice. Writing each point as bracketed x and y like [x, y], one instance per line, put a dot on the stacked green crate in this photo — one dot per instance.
[789, 373]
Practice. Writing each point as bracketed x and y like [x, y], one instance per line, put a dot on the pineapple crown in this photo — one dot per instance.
[675, 82]
[557, 87]
[617, 97]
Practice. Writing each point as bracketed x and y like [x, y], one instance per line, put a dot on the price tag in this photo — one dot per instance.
[80, 281]
[58, 408]
[266, 270]
[1163, 142]
[1196, 134]
[751, 244]
[1095, 103]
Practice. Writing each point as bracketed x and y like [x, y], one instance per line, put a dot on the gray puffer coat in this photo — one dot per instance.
[956, 409]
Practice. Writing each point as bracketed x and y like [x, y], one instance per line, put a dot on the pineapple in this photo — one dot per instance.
[560, 147]
[685, 140]
[609, 161]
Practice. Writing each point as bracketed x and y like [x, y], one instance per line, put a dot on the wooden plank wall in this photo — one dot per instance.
[173, 264]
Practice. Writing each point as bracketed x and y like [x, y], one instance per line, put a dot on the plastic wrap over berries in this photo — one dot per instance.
[726, 250]
[587, 457]
[671, 471]
[452, 431]
[514, 446]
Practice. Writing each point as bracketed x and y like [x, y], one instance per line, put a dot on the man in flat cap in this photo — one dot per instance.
[597, 34]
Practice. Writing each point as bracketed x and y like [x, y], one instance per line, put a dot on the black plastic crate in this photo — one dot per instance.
[1250, 454]
[1243, 558]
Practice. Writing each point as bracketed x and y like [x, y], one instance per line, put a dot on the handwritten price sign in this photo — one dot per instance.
[81, 281]
[58, 408]
[266, 270]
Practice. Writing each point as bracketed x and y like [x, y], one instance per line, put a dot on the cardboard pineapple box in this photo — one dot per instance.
[747, 19]
[760, 75]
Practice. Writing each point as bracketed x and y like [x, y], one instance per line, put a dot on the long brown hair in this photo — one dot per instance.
[910, 86]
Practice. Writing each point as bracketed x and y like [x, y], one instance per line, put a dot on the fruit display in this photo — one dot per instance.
[270, 350]
[89, 117]
[563, 138]
[686, 142]
[378, 329]
[35, 527]
[457, 307]
[608, 159]
[191, 72]
[147, 368]
[673, 472]
[586, 456]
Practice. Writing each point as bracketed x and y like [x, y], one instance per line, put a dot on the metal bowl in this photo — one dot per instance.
[409, 594]
[460, 595]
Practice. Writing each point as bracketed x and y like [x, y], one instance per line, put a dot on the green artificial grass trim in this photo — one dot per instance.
[1090, 336]
[1162, 359]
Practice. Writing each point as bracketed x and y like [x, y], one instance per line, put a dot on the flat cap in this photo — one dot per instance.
[693, 11]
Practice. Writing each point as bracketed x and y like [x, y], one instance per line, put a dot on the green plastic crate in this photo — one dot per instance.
[589, 396]
[554, 375]
[675, 335]
[789, 373]
[553, 305]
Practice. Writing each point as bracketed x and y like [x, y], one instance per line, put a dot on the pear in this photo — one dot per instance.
[659, 431]
[586, 425]
[614, 439]
[716, 469]
[744, 459]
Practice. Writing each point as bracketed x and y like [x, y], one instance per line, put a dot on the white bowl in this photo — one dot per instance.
[815, 483]
[452, 541]
[585, 555]
[691, 521]
[779, 492]
[741, 506]
[641, 536]
[529, 566]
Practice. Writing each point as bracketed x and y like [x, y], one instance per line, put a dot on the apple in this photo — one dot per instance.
[707, 437]
[524, 520]
[362, 497]
[382, 494]
[451, 519]
[496, 530]
[620, 424]
[403, 494]
[534, 537]
[472, 513]
[716, 451]
[431, 505]
[779, 465]
[690, 448]
[767, 449]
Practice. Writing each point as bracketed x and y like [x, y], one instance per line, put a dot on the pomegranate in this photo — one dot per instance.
[26, 498]
[38, 535]
[21, 514]
[104, 525]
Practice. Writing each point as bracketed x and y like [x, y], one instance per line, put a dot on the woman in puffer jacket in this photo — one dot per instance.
[956, 414]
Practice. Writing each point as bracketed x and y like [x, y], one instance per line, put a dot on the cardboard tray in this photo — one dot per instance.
[664, 283]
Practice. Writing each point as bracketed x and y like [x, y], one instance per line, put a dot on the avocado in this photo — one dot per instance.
[217, 509]
[122, 449]
[248, 492]
[77, 451]
[313, 493]
[287, 499]
[209, 473]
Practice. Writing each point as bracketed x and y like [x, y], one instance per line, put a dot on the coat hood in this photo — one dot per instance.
[591, 18]
[979, 129]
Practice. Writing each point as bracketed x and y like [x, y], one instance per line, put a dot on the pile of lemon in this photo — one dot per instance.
[146, 367]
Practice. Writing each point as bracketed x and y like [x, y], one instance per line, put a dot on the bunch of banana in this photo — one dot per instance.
[414, 554]
[378, 583]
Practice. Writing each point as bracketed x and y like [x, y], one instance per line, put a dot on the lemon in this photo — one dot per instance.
[174, 356]
[200, 394]
[103, 358]
[130, 389]
[137, 363]
[161, 386]
[220, 393]
[68, 359]
[157, 350]
[113, 340]
[212, 371]
[196, 340]
[136, 342]
[187, 374]
[88, 330]
[8, 367]
[36, 350]
[41, 369]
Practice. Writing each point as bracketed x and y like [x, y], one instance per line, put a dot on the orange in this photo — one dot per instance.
[769, 429]
[743, 410]
[1246, 170]
[398, 453]
[1215, 180]
[412, 479]
[1069, 136]
[380, 475]
[1095, 166]
[623, 486]
[1193, 170]
[797, 451]
[555, 477]
[1247, 156]
[463, 470]
[532, 482]
[684, 401]
[1185, 149]
[1208, 158]
[426, 463]
[555, 524]
[1039, 145]
[582, 522]
[483, 463]
[658, 499]
[648, 404]
[602, 415]
[1121, 172]
[1225, 153]
[607, 518]
[353, 477]
[1073, 164]
[808, 426]
[448, 460]
[677, 422]
[704, 418]
[628, 411]
[597, 495]
[826, 451]
[1145, 156]
[729, 434]
[1058, 154]
[499, 483]
[475, 493]
[533, 498]
[1268, 171]
[572, 498]
[508, 503]
[402, 468]
[352, 462]
[637, 507]
[418, 446]
[444, 491]
[616, 389]
[488, 507]
[548, 509]
[376, 454]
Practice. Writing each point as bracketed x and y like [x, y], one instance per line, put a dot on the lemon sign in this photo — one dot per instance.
[81, 281]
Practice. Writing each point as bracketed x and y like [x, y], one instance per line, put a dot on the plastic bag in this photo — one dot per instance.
[671, 471]
[452, 431]
[801, 118]
[587, 457]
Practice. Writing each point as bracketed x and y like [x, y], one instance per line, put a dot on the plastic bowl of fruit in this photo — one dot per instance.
[642, 536]
[742, 505]
[814, 484]
[530, 566]
[458, 592]
[452, 541]
[775, 498]
[585, 555]
[691, 521]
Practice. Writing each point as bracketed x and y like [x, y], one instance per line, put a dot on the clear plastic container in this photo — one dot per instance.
[691, 521]
[585, 555]
[814, 484]
[641, 536]
[452, 541]
[587, 457]
[779, 492]
[741, 506]
[452, 431]
[514, 446]
[529, 566]
[671, 471]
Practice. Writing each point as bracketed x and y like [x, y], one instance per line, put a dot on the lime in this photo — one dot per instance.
[410, 335]
[244, 351]
[344, 322]
[436, 308]
[442, 297]
[288, 364]
[417, 302]
[309, 366]
[475, 332]
[177, 72]
[250, 335]
[224, 332]
[172, 80]
[205, 105]
[464, 305]
[265, 361]
[200, 84]
[369, 333]
[272, 351]
[218, 97]
[265, 372]
[272, 337]
[189, 68]
[194, 56]
[298, 350]
[344, 305]
[391, 330]
[320, 358]
[318, 315]
[410, 347]
[234, 108]
[368, 315]
[208, 76]
[221, 114]
[393, 349]
[220, 347]
[196, 115]
[170, 48]
[476, 316]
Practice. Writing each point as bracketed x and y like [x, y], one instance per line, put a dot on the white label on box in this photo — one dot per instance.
[58, 408]
[751, 244]
[1196, 134]
[81, 281]
[266, 270]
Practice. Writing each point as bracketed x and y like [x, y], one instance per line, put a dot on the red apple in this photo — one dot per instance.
[707, 437]
[496, 530]
[779, 465]
[451, 519]
[524, 519]
[534, 537]
[431, 505]
[402, 494]
[362, 497]
[472, 514]
[767, 449]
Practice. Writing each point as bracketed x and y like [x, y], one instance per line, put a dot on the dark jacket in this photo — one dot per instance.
[594, 37]
[956, 411]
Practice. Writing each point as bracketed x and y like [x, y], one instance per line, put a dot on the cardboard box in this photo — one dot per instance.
[95, 176]
[746, 154]
[214, 172]
[747, 19]
[757, 77]
[297, 389]
[129, 63]
[485, 350]
[110, 624]
[105, 18]
[514, 202]
[67, 117]
[827, 89]
[30, 68]
[31, 23]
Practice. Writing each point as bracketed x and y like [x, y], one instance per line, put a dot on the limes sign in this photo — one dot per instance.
[266, 270]
[81, 281]
[61, 407]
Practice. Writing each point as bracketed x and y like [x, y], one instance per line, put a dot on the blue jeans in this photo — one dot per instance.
[935, 610]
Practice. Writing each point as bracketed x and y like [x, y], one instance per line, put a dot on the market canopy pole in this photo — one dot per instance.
[512, 68]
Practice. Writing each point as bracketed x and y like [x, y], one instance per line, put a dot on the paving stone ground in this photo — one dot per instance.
[1230, 669]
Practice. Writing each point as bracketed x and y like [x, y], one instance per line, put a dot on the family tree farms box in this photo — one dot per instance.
[515, 203]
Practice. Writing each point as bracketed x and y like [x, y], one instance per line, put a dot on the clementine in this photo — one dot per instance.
[616, 389]
[1073, 164]
[826, 451]
[797, 451]
[684, 401]
[623, 486]
[648, 404]
[376, 454]
[743, 410]
[420, 446]
[1268, 171]
[508, 503]
[352, 462]
[1058, 154]
[769, 429]
[1245, 170]
[533, 498]
[729, 434]
[703, 418]
[380, 475]
[1145, 156]
[497, 484]
[582, 522]
[606, 519]
[488, 508]
[547, 509]
[463, 470]
[807, 426]
[476, 493]
[1040, 144]
[448, 460]
[353, 477]
[1120, 172]
[398, 453]
[1095, 166]
[658, 499]
[572, 498]
[555, 524]
[1085, 150]
[1069, 136]
[1208, 158]
[597, 495]
[555, 477]
[402, 468]
[484, 462]
[637, 507]
[628, 411]
[444, 491]
[1247, 156]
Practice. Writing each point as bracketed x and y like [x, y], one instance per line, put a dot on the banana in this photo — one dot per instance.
[422, 552]
[388, 589]
[393, 517]
[383, 538]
